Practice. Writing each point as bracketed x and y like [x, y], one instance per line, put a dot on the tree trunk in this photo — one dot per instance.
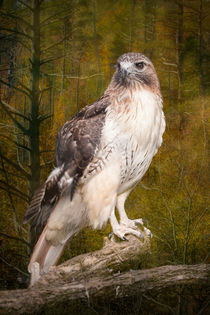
[34, 106]
[179, 39]
[154, 18]
[131, 22]
[200, 47]
[95, 280]
[34, 123]
[99, 82]
[65, 34]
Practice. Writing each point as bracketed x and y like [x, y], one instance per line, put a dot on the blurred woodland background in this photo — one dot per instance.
[56, 57]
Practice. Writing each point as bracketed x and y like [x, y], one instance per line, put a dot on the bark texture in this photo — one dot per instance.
[95, 278]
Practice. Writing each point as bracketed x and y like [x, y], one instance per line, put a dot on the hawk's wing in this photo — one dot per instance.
[79, 139]
[76, 145]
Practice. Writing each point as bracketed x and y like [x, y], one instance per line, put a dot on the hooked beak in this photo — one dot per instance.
[124, 72]
[125, 69]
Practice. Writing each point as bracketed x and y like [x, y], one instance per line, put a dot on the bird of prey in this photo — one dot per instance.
[101, 155]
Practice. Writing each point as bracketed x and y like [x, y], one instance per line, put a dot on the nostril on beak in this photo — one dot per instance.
[124, 72]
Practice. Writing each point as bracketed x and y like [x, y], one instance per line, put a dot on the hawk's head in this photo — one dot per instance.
[135, 68]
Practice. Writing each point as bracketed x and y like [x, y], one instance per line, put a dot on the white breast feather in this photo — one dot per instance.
[135, 132]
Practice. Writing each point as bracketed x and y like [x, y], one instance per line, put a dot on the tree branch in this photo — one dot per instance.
[14, 194]
[43, 61]
[23, 129]
[17, 40]
[51, 16]
[55, 44]
[25, 87]
[26, 197]
[15, 87]
[16, 166]
[72, 77]
[96, 278]
[14, 267]
[15, 238]
[15, 111]
[43, 117]
[26, 5]
[16, 32]
[13, 16]
[19, 145]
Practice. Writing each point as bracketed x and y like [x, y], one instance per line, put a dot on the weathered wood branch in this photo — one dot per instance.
[96, 276]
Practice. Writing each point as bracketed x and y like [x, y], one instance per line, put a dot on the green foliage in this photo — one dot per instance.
[79, 44]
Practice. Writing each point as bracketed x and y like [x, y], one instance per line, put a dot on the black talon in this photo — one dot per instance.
[145, 221]
[142, 237]
[137, 223]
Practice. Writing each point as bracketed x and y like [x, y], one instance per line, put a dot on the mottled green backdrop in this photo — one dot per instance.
[56, 57]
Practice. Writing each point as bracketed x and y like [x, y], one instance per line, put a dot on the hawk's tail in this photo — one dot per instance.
[45, 255]
[66, 219]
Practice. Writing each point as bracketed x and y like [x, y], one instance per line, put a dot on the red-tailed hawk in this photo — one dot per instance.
[101, 154]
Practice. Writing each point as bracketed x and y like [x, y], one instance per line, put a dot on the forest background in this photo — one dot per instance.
[56, 57]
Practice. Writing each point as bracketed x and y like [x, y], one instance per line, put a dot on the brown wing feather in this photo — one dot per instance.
[34, 206]
[76, 145]
[79, 139]
[42, 204]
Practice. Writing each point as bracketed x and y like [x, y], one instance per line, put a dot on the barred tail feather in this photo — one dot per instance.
[66, 219]
[45, 255]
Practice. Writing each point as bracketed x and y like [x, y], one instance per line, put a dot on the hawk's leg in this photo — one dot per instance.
[121, 230]
[124, 220]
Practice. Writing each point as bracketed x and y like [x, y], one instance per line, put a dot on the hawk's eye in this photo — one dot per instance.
[140, 65]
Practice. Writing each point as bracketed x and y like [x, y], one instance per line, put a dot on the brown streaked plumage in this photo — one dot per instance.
[101, 154]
